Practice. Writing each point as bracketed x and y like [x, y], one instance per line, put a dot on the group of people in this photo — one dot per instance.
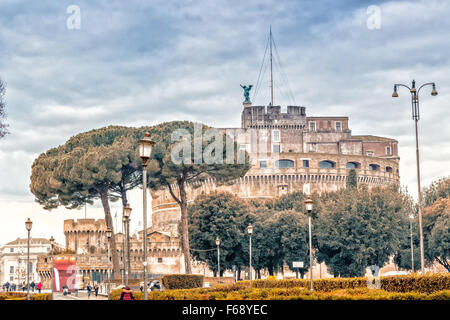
[89, 289]
[13, 287]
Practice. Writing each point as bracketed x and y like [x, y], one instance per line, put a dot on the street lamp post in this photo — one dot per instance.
[250, 232]
[52, 244]
[28, 225]
[309, 205]
[145, 151]
[416, 116]
[218, 257]
[411, 217]
[109, 235]
[126, 216]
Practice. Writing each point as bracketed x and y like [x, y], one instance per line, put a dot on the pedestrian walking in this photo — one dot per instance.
[89, 290]
[7, 286]
[126, 294]
[32, 285]
[23, 286]
[96, 290]
[39, 286]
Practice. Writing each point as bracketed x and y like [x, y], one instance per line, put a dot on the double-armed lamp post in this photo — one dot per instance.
[28, 226]
[309, 205]
[416, 116]
[126, 221]
[145, 151]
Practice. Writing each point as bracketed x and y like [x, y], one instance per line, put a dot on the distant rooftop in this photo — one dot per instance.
[372, 138]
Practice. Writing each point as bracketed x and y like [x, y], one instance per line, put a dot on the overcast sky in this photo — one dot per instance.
[143, 62]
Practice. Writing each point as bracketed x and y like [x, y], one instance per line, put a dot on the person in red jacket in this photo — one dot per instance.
[126, 294]
[39, 287]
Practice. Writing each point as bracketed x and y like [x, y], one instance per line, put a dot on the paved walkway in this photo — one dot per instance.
[81, 296]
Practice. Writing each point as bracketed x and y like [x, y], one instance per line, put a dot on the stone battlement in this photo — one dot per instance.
[84, 225]
[257, 116]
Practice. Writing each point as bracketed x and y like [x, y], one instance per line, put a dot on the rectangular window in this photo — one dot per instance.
[276, 148]
[305, 163]
[160, 260]
[338, 126]
[313, 147]
[243, 146]
[11, 278]
[11, 249]
[388, 151]
[312, 126]
[263, 163]
[11, 269]
[275, 135]
[369, 153]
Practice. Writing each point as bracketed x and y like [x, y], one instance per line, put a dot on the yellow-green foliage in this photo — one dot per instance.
[23, 296]
[410, 287]
[182, 281]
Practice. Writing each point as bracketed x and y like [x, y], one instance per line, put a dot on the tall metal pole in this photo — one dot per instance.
[53, 271]
[128, 248]
[250, 252]
[412, 246]
[144, 188]
[271, 72]
[109, 270]
[218, 261]
[125, 267]
[422, 256]
[416, 116]
[124, 254]
[310, 256]
[28, 267]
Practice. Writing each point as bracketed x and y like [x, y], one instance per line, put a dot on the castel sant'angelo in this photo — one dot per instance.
[289, 152]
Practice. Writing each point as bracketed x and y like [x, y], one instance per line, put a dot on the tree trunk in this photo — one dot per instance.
[109, 224]
[184, 226]
[270, 268]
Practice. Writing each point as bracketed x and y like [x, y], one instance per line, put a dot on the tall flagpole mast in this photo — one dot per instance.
[271, 73]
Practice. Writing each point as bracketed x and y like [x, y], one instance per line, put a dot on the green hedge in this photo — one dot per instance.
[407, 283]
[23, 296]
[292, 294]
[409, 287]
[182, 281]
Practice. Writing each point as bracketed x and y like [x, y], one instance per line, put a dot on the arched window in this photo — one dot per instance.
[327, 164]
[353, 165]
[374, 167]
[388, 169]
[284, 163]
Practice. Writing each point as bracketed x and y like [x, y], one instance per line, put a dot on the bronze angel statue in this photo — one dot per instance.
[247, 92]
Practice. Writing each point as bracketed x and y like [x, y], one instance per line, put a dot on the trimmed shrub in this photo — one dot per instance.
[182, 281]
[407, 283]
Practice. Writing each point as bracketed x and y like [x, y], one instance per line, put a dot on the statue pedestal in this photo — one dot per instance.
[246, 104]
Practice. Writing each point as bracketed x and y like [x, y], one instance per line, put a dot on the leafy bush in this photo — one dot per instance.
[23, 296]
[182, 281]
[410, 287]
[407, 283]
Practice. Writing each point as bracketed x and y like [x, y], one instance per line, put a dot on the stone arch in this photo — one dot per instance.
[353, 165]
[327, 164]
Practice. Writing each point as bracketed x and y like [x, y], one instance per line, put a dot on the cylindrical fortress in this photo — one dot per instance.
[291, 152]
